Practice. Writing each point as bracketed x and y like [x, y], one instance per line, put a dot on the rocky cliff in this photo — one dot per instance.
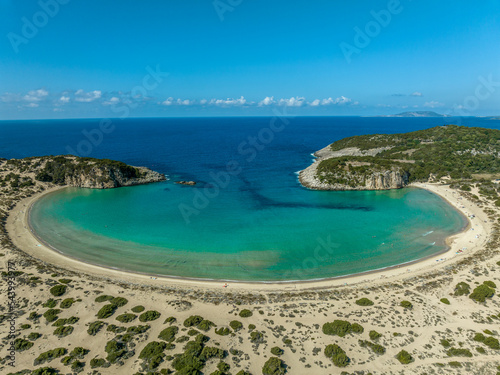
[352, 175]
[90, 173]
[109, 178]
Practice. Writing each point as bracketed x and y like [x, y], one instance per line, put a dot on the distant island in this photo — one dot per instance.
[417, 114]
[392, 161]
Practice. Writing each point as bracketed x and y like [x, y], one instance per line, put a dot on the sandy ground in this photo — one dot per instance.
[288, 315]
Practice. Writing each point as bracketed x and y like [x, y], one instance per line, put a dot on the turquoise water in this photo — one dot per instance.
[289, 234]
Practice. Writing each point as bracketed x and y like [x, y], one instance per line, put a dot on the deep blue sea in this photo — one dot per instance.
[248, 218]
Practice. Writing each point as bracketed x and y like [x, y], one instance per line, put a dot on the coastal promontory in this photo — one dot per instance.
[78, 172]
[392, 161]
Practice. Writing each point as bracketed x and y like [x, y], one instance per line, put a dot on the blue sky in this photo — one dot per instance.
[103, 58]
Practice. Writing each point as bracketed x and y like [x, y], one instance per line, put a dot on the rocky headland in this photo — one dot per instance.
[393, 161]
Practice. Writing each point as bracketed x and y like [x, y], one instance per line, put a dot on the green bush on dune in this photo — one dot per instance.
[106, 311]
[482, 292]
[404, 357]
[58, 290]
[337, 355]
[235, 325]
[149, 316]
[274, 366]
[364, 302]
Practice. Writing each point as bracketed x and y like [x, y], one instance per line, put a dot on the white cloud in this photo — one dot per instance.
[416, 93]
[228, 102]
[293, 102]
[35, 95]
[64, 99]
[268, 100]
[169, 101]
[32, 105]
[112, 101]
[172, 101]
[87, 97]
[203, 101]
[184, 102]
[330, 101]
[433, 104]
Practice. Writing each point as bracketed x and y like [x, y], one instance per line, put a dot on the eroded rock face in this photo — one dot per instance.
[384, 180]
[110, 178]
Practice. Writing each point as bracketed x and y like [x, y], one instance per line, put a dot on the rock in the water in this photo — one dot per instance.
[190, 183]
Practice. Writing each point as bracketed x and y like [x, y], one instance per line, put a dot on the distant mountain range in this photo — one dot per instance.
[417, 114]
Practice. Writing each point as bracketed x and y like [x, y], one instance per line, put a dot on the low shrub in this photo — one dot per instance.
[404, 357]
[106, 311]
[51, 303]
[211, 352]
[374, 335]
[376, 348]
[63, 331]
[170, 320]
[235, 325]
[138, 309]
[126, 318]
[223, 331]
[168, 334]
[357, 328]
[67, 303]
[337, 355]
[58, 290]
[119, 301]
[490, 284]
[152, 354]
[446, 301]
[97, 362]
[364, 302]
[205, 325]
[482, 292]
[95, 327]
[49, 356]
[149, 316]
[274, 366]
[406, 304]
[34, 336]
[51, 314]
[245, 313]
[277, 351]
[462, 289]
[458, 352]
[103, 298]
[337, 328]
[20, 345]
[193, 320]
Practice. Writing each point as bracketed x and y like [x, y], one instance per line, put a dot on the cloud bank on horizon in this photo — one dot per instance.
[65, 59]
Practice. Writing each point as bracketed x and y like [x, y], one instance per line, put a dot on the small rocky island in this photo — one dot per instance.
[80, 172]
[392, 161]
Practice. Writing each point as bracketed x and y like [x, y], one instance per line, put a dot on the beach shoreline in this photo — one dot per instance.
[24, 237]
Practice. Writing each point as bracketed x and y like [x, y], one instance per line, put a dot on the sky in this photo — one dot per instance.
[168, 58]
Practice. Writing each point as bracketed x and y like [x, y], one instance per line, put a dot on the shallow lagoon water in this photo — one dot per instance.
[296, 236]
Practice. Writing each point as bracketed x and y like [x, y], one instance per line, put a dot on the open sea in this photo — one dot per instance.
[248, 218]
